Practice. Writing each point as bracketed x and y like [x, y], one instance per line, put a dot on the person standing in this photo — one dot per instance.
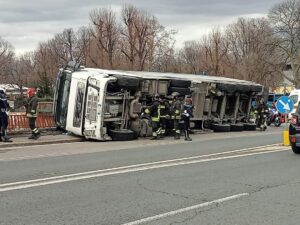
[262, 111]
[4, 108]
[176, 114]
[187, 113]
[163, 110]
[153, 111]
[31, 113]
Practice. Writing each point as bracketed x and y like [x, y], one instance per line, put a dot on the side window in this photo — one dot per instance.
[78, 105]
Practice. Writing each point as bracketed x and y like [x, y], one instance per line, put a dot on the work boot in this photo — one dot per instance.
[31, 137]
[187, 137]
[36, 136]
[6, 139]
[153, 138]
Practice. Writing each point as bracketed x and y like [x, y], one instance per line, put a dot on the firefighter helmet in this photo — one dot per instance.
[175, 94]
[30, 92]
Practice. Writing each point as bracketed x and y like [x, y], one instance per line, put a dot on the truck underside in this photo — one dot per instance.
[218, 105]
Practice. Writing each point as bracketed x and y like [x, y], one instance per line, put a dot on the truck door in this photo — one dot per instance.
[92, 110]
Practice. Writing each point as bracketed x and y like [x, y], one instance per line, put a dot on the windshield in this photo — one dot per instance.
[62, 101]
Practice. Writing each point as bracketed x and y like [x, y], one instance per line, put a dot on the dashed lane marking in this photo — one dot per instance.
[183, 210]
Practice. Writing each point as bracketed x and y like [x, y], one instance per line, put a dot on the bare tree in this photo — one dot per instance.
[105, 32]
[22, 71]
[191, 56]
[6, 59]
[128, 32]
[144, 39]
[83, 43]
[285, 20]
[251, 52]
[46, 67]
[216, 51]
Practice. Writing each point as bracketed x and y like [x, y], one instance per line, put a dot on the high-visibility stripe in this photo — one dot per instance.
[155, 119]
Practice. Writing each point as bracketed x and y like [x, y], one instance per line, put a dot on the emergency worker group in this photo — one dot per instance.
[30, 103]
[177, 111]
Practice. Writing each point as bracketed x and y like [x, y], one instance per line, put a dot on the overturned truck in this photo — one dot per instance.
[108, 105]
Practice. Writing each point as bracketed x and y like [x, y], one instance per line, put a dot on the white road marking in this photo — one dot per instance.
[138, 167]
[81, 153]
[175, 212]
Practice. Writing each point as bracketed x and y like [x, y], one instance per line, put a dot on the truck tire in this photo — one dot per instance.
[128, 82]
[295, 149]
[227, 87]
[122, 135]
[249, 126]
[221, 127]
[255, 88]
[237, 127]
[243, 88]
[180, 83]
[182, 91]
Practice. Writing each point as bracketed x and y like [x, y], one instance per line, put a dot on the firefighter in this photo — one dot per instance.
[31, 113]
[4, 108]
[164, 111]
[187, 113]
[175, 112]
[154, 114]
[262, 111]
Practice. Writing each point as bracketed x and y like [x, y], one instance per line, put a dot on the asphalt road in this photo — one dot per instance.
[233, 178]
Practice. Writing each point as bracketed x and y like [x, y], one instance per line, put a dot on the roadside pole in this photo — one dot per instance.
[286, 138]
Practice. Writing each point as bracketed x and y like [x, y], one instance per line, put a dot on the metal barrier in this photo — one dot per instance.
[19, 121]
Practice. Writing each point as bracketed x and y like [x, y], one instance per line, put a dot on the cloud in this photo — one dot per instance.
[26, 23]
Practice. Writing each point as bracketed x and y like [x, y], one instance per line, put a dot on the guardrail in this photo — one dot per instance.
[19, 121]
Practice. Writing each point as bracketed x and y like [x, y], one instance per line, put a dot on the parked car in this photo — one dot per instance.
[294, 131]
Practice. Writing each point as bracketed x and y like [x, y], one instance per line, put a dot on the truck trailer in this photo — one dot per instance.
[105, 105]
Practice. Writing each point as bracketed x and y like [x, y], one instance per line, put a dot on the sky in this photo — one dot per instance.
[25, 23]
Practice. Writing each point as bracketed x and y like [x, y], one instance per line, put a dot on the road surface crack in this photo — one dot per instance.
[163, 192]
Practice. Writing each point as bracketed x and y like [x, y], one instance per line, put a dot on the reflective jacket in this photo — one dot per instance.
[163, 109]
[153, 111]
[176, 109]
[31, 106]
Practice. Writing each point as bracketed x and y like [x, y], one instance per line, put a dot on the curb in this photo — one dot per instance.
[12, 144]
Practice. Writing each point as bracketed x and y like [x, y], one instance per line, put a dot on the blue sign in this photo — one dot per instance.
[284, 105]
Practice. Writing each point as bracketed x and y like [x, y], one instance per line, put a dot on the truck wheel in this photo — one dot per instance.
[256, 88]
[227, 87]
[221, 127]
[277, 122]
[128, 82]
[237, 127]
[250, 126]
[180, 83]
[295, 149]
[122, 135]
